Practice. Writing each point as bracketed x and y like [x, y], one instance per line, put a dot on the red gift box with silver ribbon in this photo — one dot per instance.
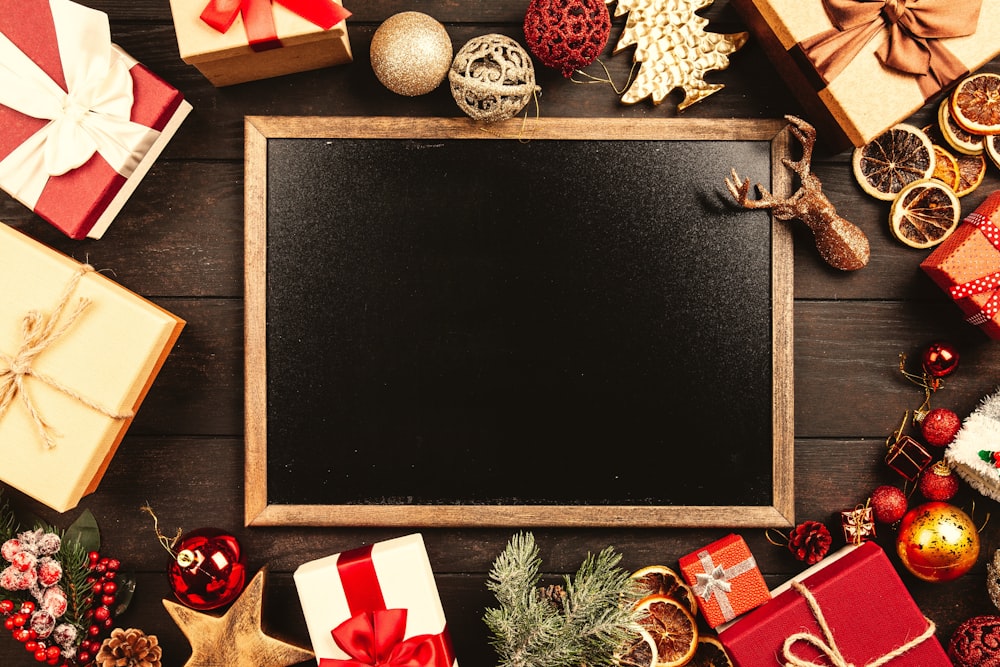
[375, 605]
[966, 265]
[81, 122]
[725, 579]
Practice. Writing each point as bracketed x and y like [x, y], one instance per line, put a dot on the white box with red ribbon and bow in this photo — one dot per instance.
[376, 605]
[81, 122]
[235, 41]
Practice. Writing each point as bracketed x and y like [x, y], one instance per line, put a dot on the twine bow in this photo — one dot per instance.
[38, 332]
[714, 581]
[375, 639]
[258, 19]
[913, 29]
[828, 647]
[988, 283]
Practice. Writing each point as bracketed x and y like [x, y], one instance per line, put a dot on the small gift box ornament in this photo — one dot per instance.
[858, 524]
[375, 605]
[235, 41]
[78, 353]
[966, 265]
[725, 579]
[81, 122]
[905, 455]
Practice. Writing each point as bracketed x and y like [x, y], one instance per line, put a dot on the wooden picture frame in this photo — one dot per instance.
[263, 133]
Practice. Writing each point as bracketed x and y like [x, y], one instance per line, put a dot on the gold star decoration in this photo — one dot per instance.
[235, 639]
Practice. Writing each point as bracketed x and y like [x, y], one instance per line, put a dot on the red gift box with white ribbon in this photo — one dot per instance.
[81, 121]
[725, 579]
[376, 604]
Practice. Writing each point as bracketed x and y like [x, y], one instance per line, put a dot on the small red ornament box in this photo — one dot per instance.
[863, 601]
[375, 602]
[725, 579]
[966, 265]
[81, 122]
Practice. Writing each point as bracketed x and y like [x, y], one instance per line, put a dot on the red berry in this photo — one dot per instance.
[23, 635]
[93, 556]
[6, 606]
[114, 564]
[940, 426]
[889, 503]
[94, 630]
[102, 613]
[40, 655]
[19, 619]
[110, 587]
[52, 652]
[83, 657]
[31, 646]
[938, 482]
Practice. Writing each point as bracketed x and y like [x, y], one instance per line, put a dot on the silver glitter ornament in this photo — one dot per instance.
[492, 78]
[411, 53]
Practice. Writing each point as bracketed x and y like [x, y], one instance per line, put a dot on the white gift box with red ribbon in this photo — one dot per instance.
[378, 604]
[81, 121]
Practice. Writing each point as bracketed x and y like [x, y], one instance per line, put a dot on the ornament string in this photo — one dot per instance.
[929, 384]
[38, 332]
[520, 136]
[607, 77]
[828, 646]
[167, 542]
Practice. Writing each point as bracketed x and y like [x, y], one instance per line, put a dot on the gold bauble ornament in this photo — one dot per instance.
[937, 542]
[411, 53]
[492, 78]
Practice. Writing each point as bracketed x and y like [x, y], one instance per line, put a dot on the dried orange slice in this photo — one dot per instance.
[710, 653]
[972, 170]
[661, 580]
[992, 148]
[638, 652]
[946, 168]
[892, 160]
[954, 134]
[975, 103]
[672, 627]
[924, 213]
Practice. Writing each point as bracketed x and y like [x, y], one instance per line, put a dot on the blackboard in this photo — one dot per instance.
[548, 322]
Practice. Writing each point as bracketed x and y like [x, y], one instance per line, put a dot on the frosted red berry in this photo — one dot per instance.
[889, 503]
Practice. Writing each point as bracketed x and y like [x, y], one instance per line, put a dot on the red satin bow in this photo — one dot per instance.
[375, 639]
[259, 20]
[913, 29]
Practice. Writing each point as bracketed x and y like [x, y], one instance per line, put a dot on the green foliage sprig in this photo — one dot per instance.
[593, 616]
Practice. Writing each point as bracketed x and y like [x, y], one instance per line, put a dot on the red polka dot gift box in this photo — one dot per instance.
[966, 265]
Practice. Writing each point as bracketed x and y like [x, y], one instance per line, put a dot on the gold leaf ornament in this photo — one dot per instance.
[673, 49]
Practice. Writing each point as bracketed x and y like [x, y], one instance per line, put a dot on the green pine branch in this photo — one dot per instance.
[8, 522]
[594, 618]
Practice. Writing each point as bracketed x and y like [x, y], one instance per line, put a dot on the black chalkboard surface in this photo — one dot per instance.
[553, 322]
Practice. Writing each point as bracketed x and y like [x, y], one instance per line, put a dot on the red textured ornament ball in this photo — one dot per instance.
[567, 34]
[940, 359]
[938, 482]
[940, 426]
[209, 570]
[976, 642]
[937, 542]
[889, 503]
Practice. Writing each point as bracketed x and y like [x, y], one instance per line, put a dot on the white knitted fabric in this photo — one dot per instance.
[980, 433]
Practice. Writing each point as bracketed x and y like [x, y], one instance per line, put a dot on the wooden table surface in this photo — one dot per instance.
[179, 242]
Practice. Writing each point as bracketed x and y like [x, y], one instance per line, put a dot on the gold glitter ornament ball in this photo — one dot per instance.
[492, 78]
[411, 53]
[937, 541]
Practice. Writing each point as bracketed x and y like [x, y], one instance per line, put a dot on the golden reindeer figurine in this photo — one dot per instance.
[842, 244]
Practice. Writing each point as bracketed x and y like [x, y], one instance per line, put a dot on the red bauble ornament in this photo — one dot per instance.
[208, 570]
[567, 34]
[976, 642]
[940, 426]
[889, 503]
[937, 542]
[938, 482]
[940, 359]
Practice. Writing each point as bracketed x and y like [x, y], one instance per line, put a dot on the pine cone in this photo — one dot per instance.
[810, 541]
[129, 648]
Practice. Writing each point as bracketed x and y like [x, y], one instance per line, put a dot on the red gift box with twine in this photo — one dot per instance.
[851, 608]
[725, 579]
[81, 122]
[966, 265]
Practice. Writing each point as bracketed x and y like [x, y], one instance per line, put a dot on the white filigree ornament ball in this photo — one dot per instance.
[492, 78]
[411, 53]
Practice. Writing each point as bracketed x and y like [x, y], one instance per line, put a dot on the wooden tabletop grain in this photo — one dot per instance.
[179, 242]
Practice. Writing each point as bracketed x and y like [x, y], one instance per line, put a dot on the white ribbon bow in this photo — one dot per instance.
[92, 115]
[714, 582]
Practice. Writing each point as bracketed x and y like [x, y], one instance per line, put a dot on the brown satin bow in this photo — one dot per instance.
[912, 46]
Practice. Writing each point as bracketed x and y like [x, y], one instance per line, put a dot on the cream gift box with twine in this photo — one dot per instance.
[78, 353]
